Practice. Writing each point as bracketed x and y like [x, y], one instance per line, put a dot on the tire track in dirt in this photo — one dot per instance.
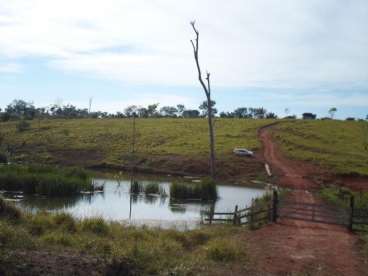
[293, 247]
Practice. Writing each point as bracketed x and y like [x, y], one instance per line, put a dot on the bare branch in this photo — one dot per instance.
[194, 49]
[208, 83]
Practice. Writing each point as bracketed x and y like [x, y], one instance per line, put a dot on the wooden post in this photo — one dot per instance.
[351, 220]
[275, 201]
[235, 219]
[212, 210]
[251, 215]
[269, 212]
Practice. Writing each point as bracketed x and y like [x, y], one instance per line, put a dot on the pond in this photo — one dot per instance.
[118, 204]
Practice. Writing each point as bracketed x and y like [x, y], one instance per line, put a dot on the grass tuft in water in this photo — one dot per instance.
[44, 180]
[205, 190]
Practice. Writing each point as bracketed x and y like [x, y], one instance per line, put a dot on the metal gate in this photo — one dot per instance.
[313, 212]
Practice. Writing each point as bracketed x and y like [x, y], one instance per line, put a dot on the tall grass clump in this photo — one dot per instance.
[44, 180]
[154, 189]
[205, 190]
[221, 250]
[136, 187]
[96, 226]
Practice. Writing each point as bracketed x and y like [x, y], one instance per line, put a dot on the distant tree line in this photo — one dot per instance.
[22, 110]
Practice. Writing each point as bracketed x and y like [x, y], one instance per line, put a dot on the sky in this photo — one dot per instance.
[304, 55]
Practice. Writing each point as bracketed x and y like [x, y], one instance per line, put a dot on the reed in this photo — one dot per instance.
[44, 180]
[205, 190]
[154, 189]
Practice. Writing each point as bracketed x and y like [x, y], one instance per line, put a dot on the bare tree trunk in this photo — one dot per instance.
[207, 91]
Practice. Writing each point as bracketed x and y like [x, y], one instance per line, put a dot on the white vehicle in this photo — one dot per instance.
[243, 152]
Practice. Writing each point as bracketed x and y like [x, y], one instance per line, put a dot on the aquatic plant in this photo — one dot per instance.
[44, 180]
[136, 187]
[204, 190]
[154, 189]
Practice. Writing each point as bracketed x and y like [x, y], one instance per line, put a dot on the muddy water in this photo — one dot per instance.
[118, 204]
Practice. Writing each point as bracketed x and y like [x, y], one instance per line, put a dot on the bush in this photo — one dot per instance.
[205, 190]
[23, 125]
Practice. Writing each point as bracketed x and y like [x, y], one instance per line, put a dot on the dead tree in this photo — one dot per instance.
[207, 90]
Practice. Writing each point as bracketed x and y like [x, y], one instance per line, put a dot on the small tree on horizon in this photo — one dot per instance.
[332, 112]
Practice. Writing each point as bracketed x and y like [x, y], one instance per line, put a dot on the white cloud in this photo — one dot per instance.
[10, 68]
[255, 42]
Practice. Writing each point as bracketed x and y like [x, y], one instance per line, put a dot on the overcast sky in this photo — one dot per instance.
[305, 55]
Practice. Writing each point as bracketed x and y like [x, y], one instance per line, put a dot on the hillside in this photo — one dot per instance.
[161, 144]
[181, 145]
[340, 146]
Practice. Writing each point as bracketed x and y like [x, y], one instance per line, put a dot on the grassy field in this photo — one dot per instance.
[128, 250]
[172, 143]
[340, 146]
[113, 137]
[182, 144]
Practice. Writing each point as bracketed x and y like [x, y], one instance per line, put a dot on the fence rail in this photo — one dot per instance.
[247, 215]
[353, 218]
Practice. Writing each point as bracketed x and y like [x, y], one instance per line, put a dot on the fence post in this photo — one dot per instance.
[212, 210]
[351, 221]
[275, 201]
[235, 219]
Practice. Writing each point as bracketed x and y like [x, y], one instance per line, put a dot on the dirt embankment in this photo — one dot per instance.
[294, 247]
[229, 168]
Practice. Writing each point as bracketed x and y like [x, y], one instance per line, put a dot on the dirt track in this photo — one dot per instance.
[293, 247]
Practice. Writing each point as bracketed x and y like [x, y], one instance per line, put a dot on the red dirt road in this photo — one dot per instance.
[293, 247]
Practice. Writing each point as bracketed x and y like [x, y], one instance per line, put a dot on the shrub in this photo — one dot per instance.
[95, 225]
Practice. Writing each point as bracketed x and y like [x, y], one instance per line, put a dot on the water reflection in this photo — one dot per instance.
[117, 203]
